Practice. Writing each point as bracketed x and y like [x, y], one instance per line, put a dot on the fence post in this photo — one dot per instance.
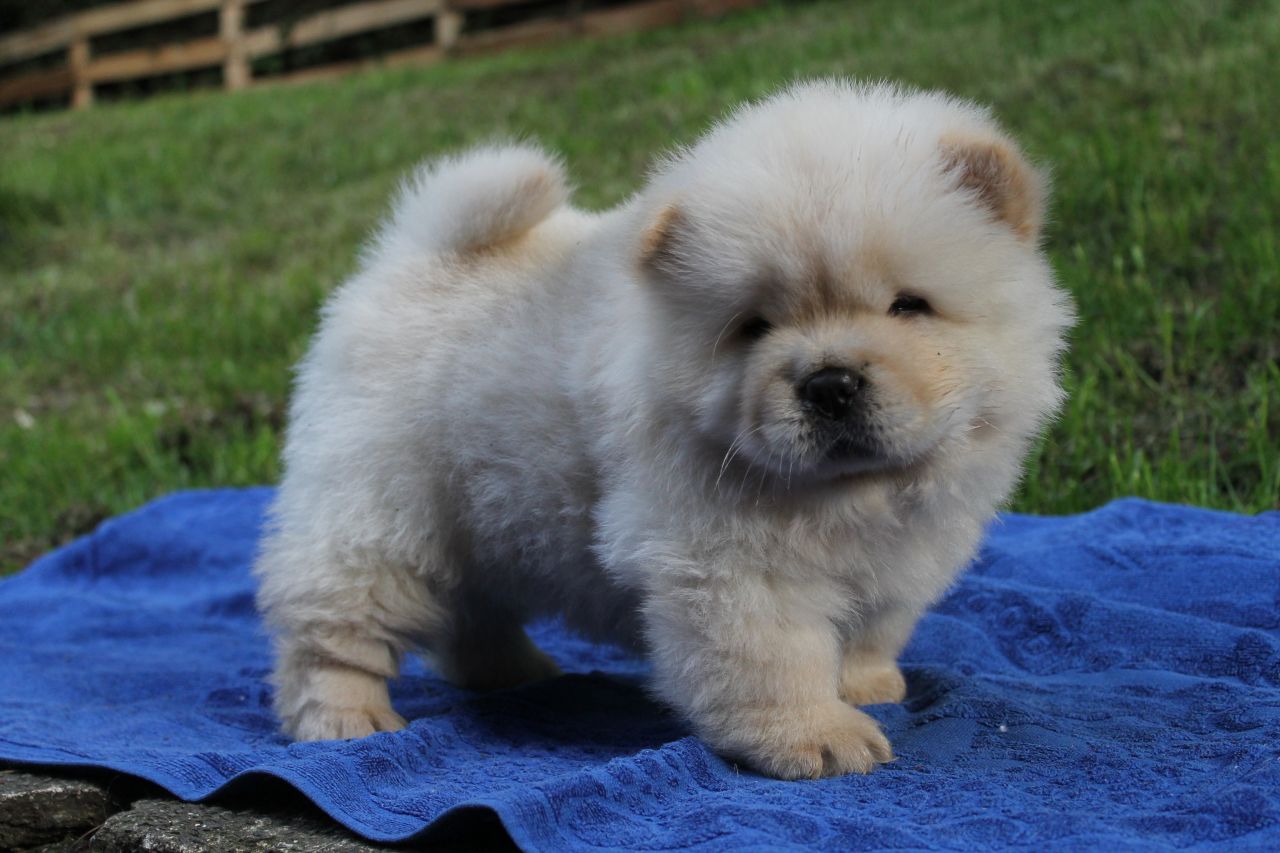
[448, 27]
[78, 62]
[236, 72]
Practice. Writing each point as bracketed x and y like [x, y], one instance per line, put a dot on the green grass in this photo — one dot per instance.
[162, 261]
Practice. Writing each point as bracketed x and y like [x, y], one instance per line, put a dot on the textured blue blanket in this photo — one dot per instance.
[1103, 680]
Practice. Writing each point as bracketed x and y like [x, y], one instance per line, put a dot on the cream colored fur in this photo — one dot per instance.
[517, 408]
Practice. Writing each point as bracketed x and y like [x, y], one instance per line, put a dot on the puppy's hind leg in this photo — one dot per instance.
[484, 647]
[869, 673]
[340, 632]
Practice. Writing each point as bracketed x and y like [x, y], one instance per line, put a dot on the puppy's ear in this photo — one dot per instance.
[1000, 179]
[660, 244]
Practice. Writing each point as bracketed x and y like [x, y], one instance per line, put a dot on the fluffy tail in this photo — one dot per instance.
[481, 198]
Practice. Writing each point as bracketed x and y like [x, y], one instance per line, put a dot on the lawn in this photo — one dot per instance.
[161, 262]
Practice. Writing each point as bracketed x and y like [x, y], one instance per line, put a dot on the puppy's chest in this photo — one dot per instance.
[863, 566]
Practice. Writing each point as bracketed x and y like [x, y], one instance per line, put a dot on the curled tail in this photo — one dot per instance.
[481, 198]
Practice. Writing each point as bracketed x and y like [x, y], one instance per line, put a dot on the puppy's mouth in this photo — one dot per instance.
[851, 452]
[858, 450]
[852, 446]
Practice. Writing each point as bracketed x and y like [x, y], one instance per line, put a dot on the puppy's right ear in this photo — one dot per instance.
[661, 243]
[1000, 179]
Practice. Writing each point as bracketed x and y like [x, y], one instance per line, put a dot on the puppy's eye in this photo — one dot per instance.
[908, 304]
[755, 328]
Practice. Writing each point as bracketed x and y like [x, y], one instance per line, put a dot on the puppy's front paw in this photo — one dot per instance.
[831, 740]
[871, 683]
[330, 722]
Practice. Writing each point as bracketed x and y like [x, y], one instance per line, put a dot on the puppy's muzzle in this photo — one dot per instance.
[836, 400]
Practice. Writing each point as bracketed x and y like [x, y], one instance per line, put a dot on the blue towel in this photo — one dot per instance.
[1098, 681]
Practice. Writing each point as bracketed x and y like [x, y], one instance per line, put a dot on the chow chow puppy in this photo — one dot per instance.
[750, 423]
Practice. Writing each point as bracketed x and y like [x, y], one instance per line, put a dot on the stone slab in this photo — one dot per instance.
[170, 826]
[112, 813]
[37, 811]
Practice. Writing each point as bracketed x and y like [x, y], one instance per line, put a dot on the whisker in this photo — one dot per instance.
[723, 329]
[764, 473]
[735, 446]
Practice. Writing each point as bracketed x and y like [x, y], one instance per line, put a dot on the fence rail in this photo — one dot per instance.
[235, 47]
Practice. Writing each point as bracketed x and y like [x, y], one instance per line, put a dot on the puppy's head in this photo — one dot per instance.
[846, 281]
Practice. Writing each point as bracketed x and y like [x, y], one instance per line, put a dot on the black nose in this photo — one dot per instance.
[832, 392]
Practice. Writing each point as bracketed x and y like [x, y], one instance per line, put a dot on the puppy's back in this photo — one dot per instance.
[401, 387]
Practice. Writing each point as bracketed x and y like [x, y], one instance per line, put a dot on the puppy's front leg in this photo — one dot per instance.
[756, 668]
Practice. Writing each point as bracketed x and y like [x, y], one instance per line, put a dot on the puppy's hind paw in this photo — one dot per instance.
[872, 685]
[533, 664]
[329, 722]
[499, 664]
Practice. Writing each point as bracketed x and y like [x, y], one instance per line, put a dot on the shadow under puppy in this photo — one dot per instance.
[752, 422]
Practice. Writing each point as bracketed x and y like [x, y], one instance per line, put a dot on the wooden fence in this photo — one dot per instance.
[75, 70]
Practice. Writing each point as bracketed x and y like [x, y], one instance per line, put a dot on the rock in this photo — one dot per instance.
[43, 810]
[168, 826]
[50, 814]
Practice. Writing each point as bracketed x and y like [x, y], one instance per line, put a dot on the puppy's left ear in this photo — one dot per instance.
[1000, 179]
